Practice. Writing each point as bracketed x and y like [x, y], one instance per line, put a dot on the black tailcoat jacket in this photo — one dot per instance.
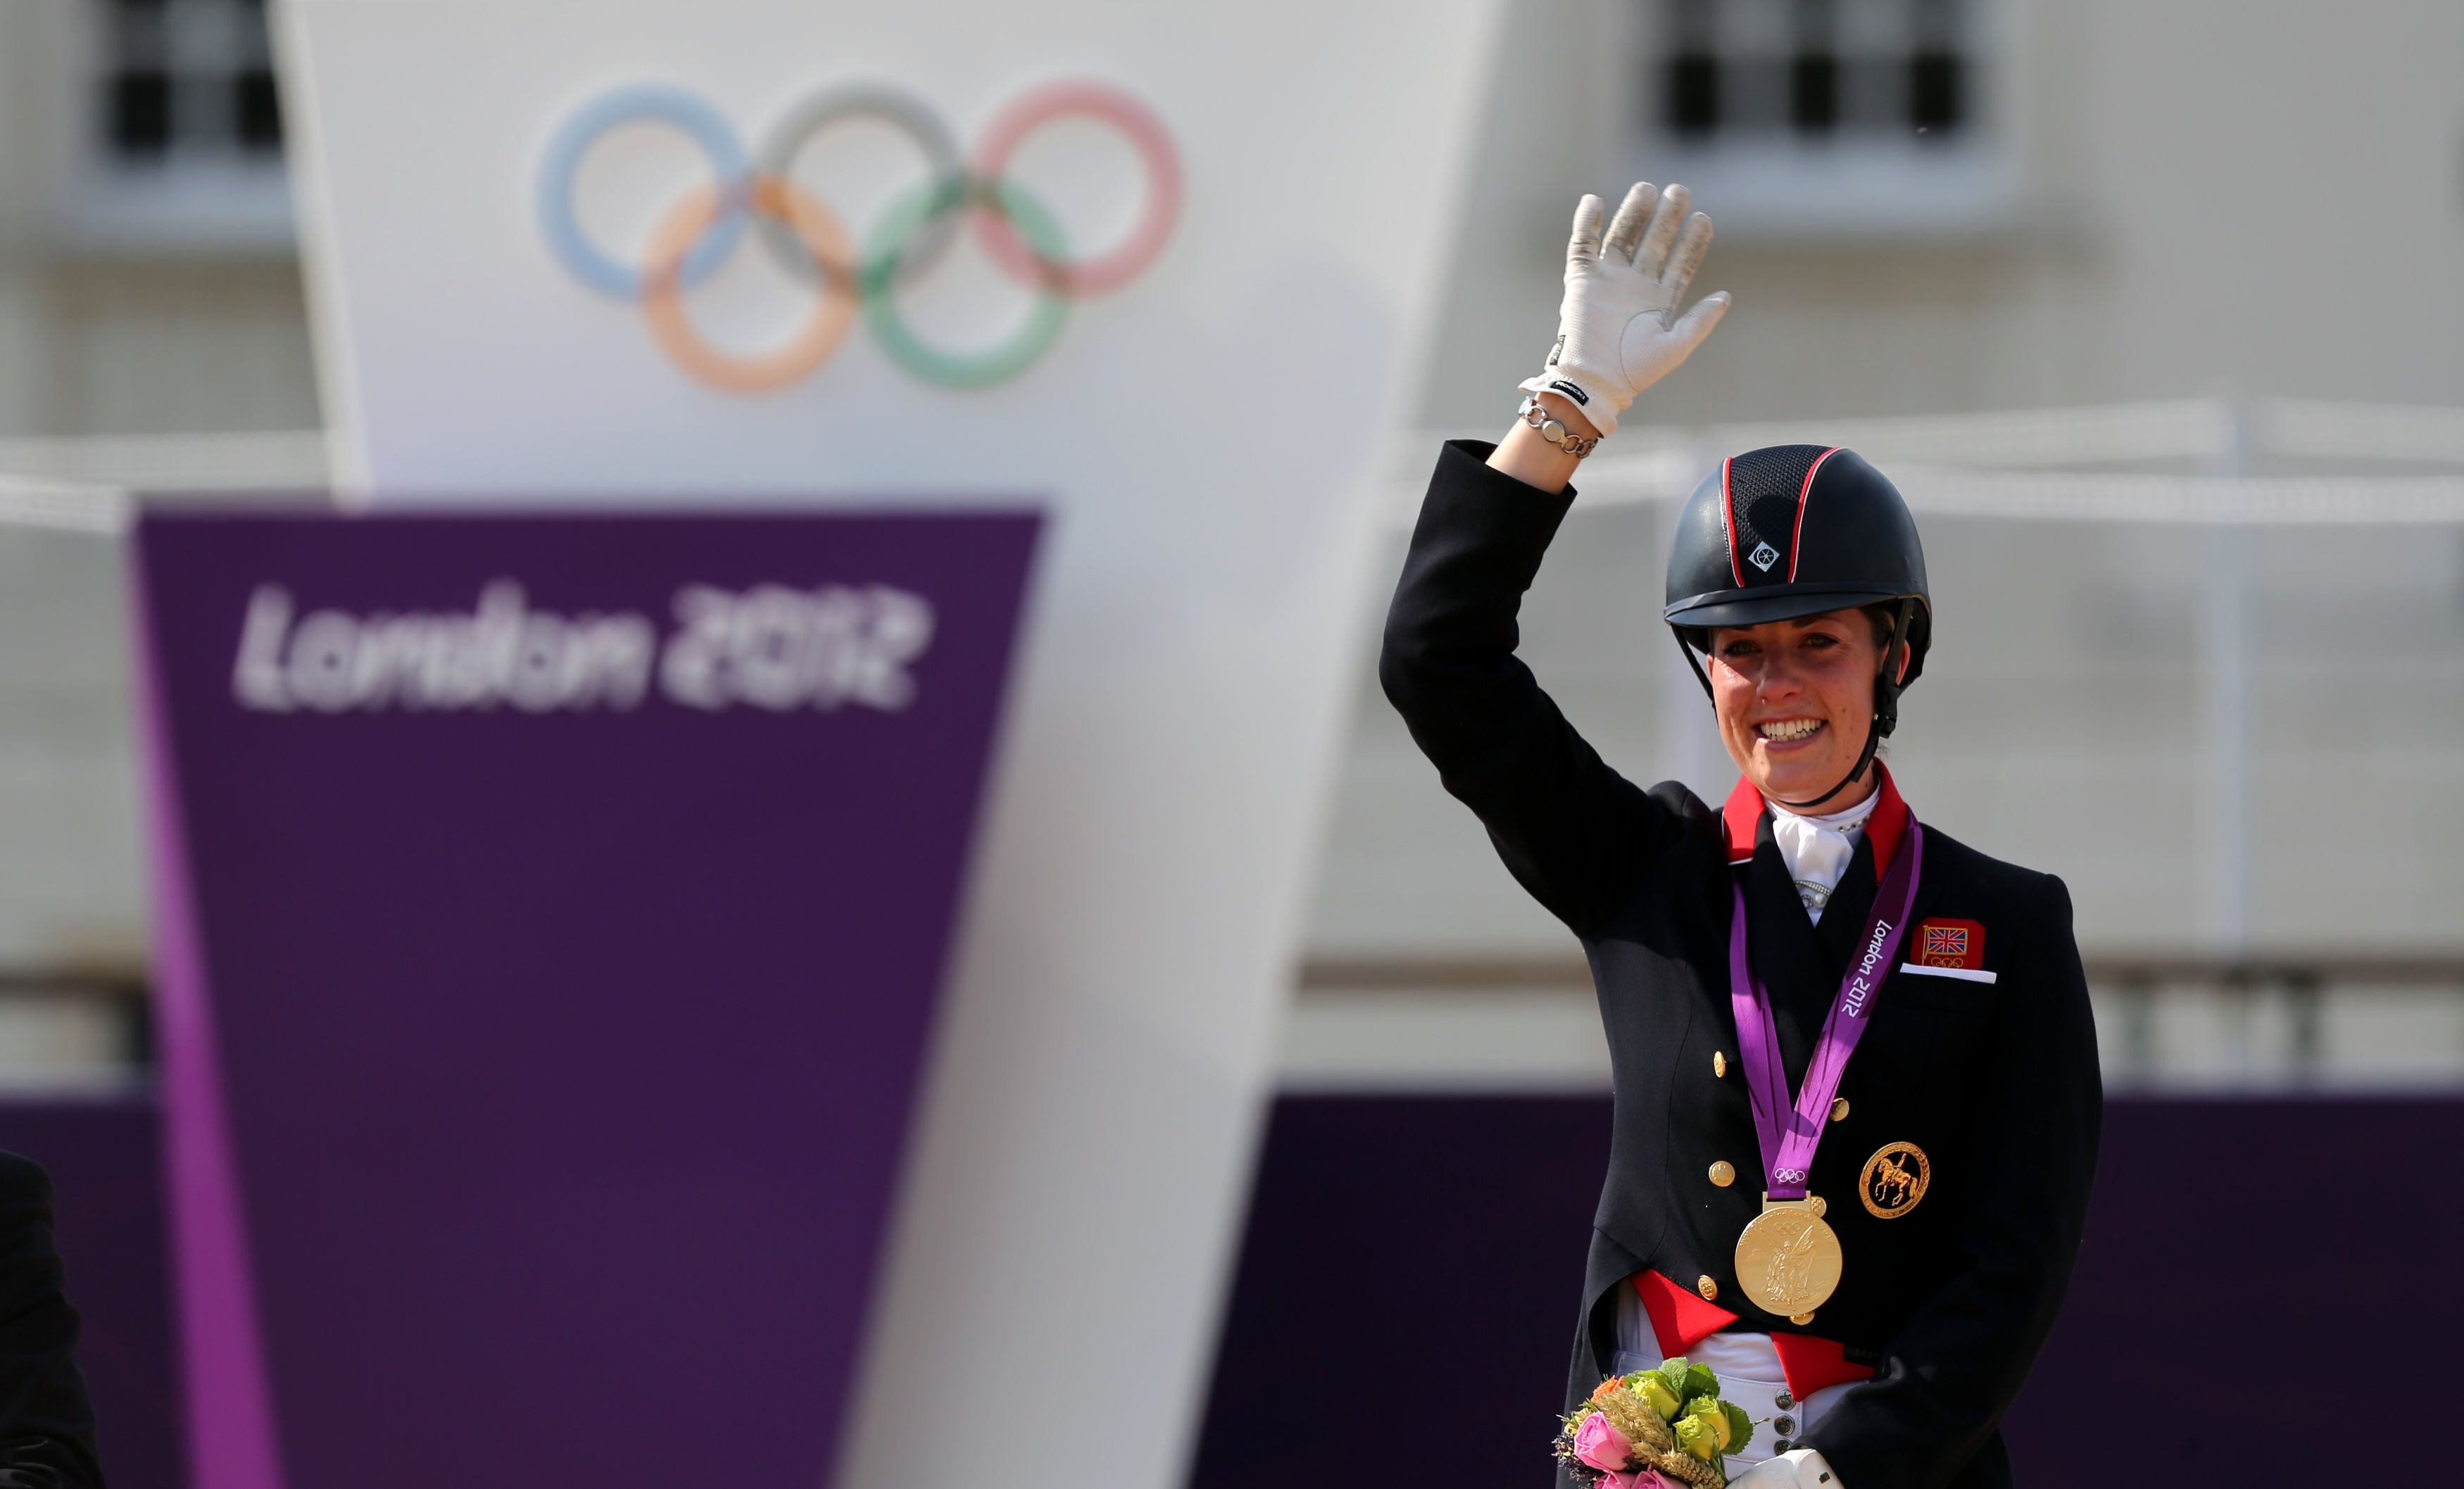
[1995, 1082]
[46, 1418]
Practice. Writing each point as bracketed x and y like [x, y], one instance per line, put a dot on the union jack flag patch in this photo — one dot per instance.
[1950, 943]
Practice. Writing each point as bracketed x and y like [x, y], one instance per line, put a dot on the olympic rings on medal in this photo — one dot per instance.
[694, 239]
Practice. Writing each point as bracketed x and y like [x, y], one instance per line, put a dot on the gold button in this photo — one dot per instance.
[1814, 1206]
[1710, 1289]
[1800, 1319]
[1839, 1109]
[1723, 1173]
[1719, 1065]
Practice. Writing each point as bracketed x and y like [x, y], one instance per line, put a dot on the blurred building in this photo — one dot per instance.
[149, 287]
[147, 280]
[1924, 208]
[1936, 207]
[1932, 206]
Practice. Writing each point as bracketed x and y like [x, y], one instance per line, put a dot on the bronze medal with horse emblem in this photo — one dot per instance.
[1894, 1180]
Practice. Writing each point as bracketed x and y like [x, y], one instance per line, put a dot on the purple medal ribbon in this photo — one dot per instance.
[1788, 1160]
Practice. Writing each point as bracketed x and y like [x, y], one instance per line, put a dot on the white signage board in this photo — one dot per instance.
[563, 249]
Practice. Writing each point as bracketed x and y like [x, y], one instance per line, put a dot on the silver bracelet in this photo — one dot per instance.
[1554, 432]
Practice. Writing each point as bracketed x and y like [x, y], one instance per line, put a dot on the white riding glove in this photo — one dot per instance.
[1618, 330]
[1798, 1468]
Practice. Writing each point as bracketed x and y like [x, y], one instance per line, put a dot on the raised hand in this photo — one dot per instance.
[1617, 328]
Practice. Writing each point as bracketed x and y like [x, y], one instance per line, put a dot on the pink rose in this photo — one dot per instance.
[1602, 1446]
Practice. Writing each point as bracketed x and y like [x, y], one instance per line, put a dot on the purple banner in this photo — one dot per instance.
[550, 916]
[2226, 1238]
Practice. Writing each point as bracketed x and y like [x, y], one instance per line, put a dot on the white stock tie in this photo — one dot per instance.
[1817, 850]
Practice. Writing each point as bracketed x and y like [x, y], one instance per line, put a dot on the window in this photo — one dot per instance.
[182, 143]
[189, 78]
[1817, 69]
[1827, 115]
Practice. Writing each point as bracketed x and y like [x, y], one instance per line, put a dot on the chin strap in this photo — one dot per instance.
[1678, 634]
[1887, 700]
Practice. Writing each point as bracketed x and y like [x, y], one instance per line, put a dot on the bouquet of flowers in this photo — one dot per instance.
[1657, 1428]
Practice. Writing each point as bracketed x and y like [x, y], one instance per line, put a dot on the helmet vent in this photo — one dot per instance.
[1765, 489]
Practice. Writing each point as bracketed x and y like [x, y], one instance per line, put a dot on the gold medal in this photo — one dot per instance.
[1787, 1260]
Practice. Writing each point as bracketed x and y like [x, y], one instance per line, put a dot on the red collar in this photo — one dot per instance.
[1889, 824]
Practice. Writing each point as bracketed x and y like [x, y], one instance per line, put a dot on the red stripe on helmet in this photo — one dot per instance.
[1729, 520]
[1802, 493]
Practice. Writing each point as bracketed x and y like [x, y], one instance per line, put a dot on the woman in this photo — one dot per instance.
[1870, 1246]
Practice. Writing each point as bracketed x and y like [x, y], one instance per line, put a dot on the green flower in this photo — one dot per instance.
[1713, 1412]
[1697, 1435]
[1653, 1390]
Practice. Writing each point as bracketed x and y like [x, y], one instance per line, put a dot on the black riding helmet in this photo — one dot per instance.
[1796, 530]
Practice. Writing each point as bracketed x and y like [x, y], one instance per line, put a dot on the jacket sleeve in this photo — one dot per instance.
[45, 1419]
[1573, 831]
[1942, 1384]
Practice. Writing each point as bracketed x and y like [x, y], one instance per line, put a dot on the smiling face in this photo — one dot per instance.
[1795, 699]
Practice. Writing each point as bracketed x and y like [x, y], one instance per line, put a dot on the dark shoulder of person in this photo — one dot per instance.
[46, 1418]
[2038, 904]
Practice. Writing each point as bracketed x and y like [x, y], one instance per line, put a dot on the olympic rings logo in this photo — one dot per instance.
[693, 239]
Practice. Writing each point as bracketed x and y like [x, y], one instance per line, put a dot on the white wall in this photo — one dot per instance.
[1207, 442]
